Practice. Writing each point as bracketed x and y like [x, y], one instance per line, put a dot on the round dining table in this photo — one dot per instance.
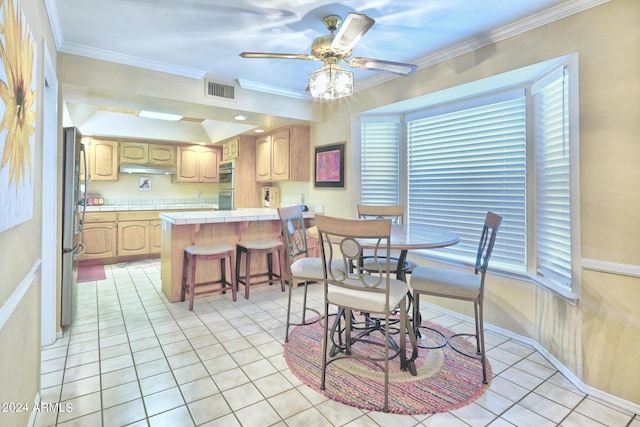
[406, 237]
[403, 238]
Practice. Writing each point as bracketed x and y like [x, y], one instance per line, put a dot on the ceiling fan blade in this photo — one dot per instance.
[276, 55]
[380, 65]
[351, 31]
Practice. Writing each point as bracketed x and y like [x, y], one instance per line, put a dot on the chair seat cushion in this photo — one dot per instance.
[446, 282]
[260, 244]
[311, 268]
[213, 249]
[368, 302]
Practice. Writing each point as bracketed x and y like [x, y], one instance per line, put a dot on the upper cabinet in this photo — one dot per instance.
[102, 159]
[230, 149]
[197, 163]
[283, 155]
[142, 153]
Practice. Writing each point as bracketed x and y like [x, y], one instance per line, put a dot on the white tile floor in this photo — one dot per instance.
[132, 358]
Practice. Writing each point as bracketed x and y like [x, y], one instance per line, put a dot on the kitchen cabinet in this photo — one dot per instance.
[142, 153]
[133, 238]
[136, 153]
[230, 149]
[99, 235]
[197, 163]
[155, 236]
[283, 155]
[103, 159]
[138, 233]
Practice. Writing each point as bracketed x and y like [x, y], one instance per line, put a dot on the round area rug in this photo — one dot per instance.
[446, 379]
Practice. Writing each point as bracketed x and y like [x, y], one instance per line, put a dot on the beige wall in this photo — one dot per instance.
[597, 339]
[20, 247]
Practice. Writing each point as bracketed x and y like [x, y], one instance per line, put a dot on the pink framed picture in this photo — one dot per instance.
[329, 165]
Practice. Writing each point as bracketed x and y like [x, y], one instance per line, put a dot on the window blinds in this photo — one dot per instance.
[464, 163]
[552, 207]
[379, 171]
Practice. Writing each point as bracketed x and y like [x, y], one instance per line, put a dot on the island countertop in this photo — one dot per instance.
[238, 215]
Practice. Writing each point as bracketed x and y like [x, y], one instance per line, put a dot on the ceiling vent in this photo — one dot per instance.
[219, 90]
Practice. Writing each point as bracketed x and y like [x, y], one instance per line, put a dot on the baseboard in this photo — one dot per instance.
[577, 382]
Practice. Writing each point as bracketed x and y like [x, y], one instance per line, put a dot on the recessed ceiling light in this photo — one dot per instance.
[240, 117]
[159, 116]
[259, 130]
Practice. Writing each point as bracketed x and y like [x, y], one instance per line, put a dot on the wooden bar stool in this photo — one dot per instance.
[258, 247]
[215, 251]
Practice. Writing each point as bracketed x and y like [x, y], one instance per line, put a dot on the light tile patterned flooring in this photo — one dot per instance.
[133, 358]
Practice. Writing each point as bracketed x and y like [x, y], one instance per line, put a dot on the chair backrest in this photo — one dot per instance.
[393, 212]
[294, 233]
[342, 239]
[487, 240]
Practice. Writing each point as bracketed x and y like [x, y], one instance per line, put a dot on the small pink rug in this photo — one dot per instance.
[446, 380]
[91, 273]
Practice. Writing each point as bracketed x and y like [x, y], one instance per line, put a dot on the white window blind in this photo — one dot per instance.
[379, 169]
[464, 163]
[553, 202]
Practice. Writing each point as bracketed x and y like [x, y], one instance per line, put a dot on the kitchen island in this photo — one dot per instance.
[181, 229]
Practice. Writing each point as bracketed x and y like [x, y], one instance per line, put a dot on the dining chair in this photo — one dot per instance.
[357, 290]
[396, 214]
[462, 285]
[300, 267]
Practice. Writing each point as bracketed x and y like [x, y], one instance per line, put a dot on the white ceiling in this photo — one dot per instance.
[203, 38]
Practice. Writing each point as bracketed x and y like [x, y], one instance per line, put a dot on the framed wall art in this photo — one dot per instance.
[329, 165]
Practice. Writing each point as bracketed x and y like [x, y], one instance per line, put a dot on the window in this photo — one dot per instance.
[552, 207]
[468, 161]
[508, 151]
[380, 161]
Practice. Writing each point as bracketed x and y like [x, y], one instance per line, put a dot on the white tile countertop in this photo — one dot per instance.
[205, 217]
[155, 207]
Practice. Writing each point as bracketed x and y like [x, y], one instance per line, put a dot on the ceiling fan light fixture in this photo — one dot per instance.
[331, 82]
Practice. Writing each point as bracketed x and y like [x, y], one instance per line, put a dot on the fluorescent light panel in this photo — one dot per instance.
[159, 116]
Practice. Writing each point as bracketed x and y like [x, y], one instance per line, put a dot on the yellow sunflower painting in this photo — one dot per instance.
[18, 112]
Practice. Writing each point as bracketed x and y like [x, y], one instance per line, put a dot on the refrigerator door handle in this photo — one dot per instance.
[83, 151]
[74, 250]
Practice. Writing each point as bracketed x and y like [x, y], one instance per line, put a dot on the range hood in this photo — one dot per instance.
[147, 169]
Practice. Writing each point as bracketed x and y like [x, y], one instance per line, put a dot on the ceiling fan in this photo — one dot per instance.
[333, 81]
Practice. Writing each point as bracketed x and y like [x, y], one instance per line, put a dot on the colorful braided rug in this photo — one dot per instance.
[446, 380]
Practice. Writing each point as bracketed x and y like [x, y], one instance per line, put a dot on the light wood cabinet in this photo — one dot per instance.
[155, 236]
[231, 149]
[139, 233]
[162, 155]
[103, 159]
[134, 153]
[133, 238]
[99, 235]
[143, 153]
[197, 163]
[283, 155]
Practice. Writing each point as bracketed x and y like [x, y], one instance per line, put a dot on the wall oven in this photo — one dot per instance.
[226, 180]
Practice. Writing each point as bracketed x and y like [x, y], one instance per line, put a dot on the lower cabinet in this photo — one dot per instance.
[121, 236]
[99, 235]
[133, 238]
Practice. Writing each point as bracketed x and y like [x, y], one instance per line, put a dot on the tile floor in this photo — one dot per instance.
[132, 358]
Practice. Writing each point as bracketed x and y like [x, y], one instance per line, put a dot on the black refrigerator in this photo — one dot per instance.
[73, 211]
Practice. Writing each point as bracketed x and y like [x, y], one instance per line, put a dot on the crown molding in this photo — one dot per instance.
[134, 61]
[526, 24]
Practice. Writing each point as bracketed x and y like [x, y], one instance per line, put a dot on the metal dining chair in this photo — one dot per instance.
[361, 291]
[300, 266]
[462, 285]
[396, 214]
